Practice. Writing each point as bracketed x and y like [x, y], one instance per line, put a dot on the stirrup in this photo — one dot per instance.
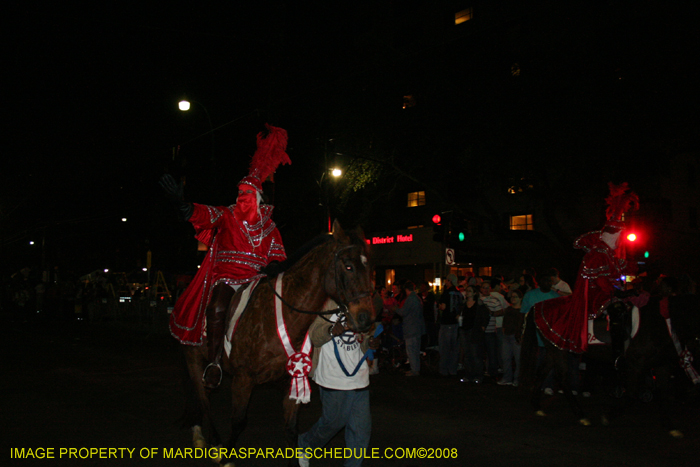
[204, 376]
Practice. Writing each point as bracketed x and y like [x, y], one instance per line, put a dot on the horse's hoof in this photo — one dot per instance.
[678, 434]
[604, 421]
[585, 422]
[540, 413]
[200, 443]
[217, 459]
[198, 438]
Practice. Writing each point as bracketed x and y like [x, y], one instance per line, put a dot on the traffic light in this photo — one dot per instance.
[458, 232]
[438, 229]
[636, 244]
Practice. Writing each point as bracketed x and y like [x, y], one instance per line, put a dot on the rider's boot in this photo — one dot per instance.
[215, 342]
[216, 321]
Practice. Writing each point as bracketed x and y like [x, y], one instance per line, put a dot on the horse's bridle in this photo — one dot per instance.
[342, 308]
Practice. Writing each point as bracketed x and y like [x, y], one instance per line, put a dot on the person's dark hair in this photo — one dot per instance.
[551, 272]
[475, 289]
[408, 285]
[495, 281]
[516, 292]
[530, 281]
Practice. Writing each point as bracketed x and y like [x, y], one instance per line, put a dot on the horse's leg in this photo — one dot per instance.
[542, 369]
[561, 370]
[663, 402]
[241, 388]
[198, 411]
[291, 425]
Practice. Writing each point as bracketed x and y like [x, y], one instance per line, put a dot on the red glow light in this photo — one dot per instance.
[436, 219]
[632, 237]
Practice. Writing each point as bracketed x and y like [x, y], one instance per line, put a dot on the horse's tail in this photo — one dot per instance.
[528, 353]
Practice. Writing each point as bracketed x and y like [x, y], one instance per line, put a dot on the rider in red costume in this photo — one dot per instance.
[564, 321]
[241, 240]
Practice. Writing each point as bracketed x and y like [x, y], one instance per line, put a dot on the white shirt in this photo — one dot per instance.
[562, 288]
[328, 372]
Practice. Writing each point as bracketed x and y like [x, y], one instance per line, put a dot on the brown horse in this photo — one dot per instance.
[333, 267]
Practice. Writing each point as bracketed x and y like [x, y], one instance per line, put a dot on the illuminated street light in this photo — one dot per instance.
[123, 219]
[184, 105]
[336, 172]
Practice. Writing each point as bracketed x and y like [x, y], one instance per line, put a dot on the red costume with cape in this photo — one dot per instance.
[236, 254]
[241, 240]
[563, 321]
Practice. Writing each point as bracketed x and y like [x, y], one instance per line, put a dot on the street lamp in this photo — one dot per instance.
[185, 105]
[335, 173]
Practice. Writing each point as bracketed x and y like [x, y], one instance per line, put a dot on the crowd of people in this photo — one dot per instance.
[475, 323]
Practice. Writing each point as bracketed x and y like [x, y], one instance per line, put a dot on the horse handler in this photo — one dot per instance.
[340, 369]
[241, 240]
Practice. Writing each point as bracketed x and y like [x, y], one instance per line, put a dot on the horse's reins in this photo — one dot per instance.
[342, 308]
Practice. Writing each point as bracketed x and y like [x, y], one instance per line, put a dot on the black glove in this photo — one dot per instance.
[175, 192]
[273, 269]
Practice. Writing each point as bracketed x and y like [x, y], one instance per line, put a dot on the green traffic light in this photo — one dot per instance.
[646, 254]
[461, 236]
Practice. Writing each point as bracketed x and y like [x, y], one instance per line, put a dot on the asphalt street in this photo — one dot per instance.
[89, 386]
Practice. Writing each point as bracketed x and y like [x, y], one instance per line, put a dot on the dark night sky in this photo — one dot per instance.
[91, 89]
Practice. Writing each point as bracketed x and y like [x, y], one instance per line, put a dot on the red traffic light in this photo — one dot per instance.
[437, 218]
[632, 237]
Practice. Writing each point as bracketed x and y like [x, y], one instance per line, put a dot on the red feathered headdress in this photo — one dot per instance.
[269, 155]
[619, 202]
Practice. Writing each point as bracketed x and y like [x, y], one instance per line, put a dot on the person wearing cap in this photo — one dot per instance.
[241, 240]
[564, 321]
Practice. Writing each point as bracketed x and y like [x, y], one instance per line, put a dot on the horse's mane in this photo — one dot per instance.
[355, 236]
[274, 269]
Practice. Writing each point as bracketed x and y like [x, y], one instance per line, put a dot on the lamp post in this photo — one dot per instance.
[185, 105]
[335, 173]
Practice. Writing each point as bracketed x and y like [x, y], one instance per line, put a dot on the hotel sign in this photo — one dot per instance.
[392, 239]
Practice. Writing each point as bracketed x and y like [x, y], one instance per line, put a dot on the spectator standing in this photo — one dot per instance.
[429, 315]
[413, 327]
[450, 305]
[558, 285]
[512, 330]
[496, 308]
[540, 294]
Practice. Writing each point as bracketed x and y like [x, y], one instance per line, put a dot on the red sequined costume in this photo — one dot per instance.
[564, 321]
[236, 254]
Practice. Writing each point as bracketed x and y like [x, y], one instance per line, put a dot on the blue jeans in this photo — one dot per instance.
[413, 353]
[510, 353]
[349, 409]
[491, 341]
[449, 349]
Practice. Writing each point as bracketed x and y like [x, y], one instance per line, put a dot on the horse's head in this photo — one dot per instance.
[349, 282]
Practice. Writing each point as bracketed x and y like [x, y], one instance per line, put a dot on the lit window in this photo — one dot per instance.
[515, 69]
[523, 222]
[409, 101]
[485, 271]
[417, 198]
[464, 15]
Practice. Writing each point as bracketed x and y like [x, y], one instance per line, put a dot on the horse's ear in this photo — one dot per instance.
[339, 233]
